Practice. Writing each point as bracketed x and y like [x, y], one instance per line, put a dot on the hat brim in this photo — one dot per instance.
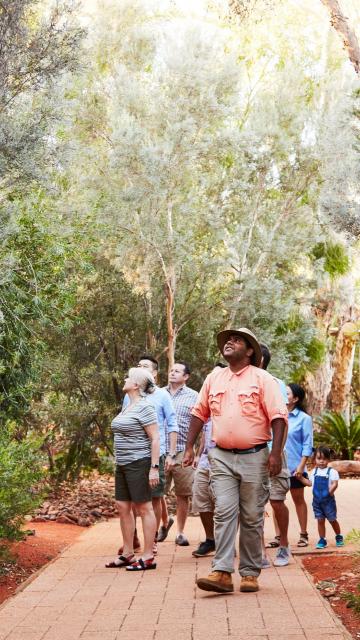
[223, 337]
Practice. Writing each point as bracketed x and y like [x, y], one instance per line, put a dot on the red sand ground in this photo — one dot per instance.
[344, 570]
[34, 552]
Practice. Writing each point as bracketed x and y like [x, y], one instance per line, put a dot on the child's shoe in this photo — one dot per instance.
[339, 539]
[322, 543]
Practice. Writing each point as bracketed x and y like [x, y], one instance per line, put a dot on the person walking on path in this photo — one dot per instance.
[184, 400]
[324, 481]
[279, 487]
[245, 404]
[202, 496]
[166, 418]
[299, 446]
[137, 450]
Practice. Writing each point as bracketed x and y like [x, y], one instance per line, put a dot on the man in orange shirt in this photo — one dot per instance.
[247, 410]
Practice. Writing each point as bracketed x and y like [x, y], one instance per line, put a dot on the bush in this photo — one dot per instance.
[20, 472]
[338, 434]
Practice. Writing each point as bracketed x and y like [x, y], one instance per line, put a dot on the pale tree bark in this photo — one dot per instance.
[343, 362]
[318, 387]
[341, 25]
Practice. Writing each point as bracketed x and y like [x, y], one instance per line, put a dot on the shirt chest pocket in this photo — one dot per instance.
[249, 400]
[216, 400]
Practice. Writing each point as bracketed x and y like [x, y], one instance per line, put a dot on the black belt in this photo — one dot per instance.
[244, 451]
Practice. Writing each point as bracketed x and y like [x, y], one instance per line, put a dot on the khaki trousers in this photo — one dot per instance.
[241, 489]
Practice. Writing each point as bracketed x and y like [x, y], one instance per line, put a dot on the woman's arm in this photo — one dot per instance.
[301, 467]
[152, 431]
[305, 481]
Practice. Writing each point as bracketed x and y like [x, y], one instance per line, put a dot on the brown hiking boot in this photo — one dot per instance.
[249, 583]
[219, 581]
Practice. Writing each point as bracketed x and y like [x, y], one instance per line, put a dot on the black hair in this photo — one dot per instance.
[220, 364]
[323, 452]
[266, 355]
[299, 393]
[187, 370]
[151, 358]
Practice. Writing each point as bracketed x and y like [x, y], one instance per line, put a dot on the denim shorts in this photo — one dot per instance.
[325, 508]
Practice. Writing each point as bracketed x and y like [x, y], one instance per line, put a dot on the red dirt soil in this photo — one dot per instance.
[34, 552]
[344, 571]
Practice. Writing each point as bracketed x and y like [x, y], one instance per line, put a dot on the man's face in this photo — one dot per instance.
[149, 365]
[177, 374]
[236, 348]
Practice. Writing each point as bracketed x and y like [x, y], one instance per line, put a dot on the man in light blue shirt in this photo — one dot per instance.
[166, 417]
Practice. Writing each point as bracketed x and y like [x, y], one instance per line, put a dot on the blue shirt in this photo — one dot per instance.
[165, 412]
[282, 389]
[300, 438]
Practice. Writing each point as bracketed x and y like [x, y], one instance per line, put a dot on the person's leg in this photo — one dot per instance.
[164, 512]
[127, 524]
[321, 527]
[282, 518]
[225, 486]
[156, 503]
[253, 496]
[276, 526]
[207, 521]
[182, 510]
[183, 482]
[301, 507]
[148, 519]
[335, 525]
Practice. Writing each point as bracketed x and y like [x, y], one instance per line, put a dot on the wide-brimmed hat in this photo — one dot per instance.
[223, 337]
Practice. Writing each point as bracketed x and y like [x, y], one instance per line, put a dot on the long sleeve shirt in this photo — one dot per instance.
[299, 441]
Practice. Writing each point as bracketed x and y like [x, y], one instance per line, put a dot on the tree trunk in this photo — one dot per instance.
[343, 362]
[170, 292]
[341, 24]
[318, 387]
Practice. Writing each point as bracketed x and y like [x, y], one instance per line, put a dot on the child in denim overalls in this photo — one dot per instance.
[324, 481]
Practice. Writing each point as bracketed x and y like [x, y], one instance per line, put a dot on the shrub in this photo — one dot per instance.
[20, 472]
[338, 434]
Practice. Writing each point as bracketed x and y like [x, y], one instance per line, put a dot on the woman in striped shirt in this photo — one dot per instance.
[137, 448]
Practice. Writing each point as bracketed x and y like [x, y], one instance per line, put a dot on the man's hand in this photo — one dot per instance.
[195, 462]
[169, 463]
[188, 458]
[274, 463]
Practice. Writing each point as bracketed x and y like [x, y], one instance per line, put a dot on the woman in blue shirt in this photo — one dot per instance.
[299, 445]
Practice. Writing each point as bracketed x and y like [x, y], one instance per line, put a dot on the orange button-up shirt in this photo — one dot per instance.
[241, 405]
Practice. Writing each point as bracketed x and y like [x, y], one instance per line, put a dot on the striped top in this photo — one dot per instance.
[131, 441]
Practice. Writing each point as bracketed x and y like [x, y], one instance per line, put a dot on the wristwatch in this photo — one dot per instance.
[154, 466]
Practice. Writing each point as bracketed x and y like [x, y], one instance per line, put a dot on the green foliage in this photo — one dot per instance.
[34, 295]
[336, 258]
[20, 473]
[338, 434]
[352, 600]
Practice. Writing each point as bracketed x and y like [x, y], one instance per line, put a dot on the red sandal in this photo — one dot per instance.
[121, 561]
[142, 565]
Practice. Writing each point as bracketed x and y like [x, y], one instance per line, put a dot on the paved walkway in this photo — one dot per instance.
[75, 597]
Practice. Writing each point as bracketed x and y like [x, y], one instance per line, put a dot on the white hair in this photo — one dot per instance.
[144, 379]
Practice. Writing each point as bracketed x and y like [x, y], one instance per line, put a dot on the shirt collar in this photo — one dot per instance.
[294, 412]
[179, 390]
[238, 373]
